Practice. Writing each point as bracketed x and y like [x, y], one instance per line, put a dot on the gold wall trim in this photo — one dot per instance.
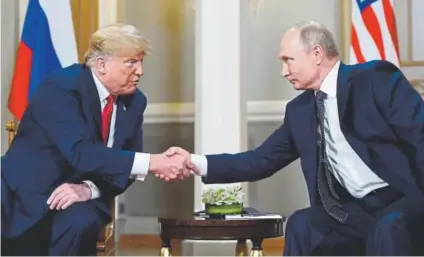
[418, 84]
[411, 63]
[346, 16]
[85, 15]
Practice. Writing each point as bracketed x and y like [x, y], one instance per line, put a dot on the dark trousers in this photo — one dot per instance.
[73, 231]
[381, 223]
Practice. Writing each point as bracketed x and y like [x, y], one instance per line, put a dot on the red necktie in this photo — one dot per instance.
[106, 117]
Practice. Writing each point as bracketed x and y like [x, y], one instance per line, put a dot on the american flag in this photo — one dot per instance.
[373, 32]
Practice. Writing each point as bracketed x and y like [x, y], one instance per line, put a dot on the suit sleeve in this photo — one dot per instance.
[59, 113]
[275, 153]
[403, 109]
[137, 140]
[106, 188]
[137, 143]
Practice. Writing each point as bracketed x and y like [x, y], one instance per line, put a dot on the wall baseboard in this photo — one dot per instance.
[272, 245]
[257, 111]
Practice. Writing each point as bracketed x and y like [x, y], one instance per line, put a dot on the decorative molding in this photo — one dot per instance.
[418, 84]
[169, 113]
[257, 111]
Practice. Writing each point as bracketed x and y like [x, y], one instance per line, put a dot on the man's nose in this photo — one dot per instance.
[284, 71]
[140, 70]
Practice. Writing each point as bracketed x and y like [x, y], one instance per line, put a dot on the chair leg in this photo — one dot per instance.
[166, 247]
[241, 248]
[256, 248]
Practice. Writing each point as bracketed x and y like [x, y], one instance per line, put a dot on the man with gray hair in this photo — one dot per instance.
[359, 133]
[79, 144]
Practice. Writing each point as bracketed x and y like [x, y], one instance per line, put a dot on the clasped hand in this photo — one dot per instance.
[173, 165]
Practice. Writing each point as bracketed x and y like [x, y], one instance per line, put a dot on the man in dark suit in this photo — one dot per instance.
[359, 133]
[79, 144]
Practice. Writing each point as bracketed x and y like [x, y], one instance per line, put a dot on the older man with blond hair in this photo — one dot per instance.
[79, 144]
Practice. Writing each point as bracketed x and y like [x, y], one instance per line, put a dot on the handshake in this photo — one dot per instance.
[173, 165]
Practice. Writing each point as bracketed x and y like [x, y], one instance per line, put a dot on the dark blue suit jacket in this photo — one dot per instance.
[59, 141]
[381, 116]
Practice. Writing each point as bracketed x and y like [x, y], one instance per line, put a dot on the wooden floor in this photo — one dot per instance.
[149, 245]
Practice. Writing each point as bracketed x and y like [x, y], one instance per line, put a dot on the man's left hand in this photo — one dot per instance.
[67, 194]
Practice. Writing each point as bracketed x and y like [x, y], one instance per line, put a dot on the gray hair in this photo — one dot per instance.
[314, 33]
[116, 39]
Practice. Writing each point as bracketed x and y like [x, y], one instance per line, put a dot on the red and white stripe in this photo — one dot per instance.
[374, 33]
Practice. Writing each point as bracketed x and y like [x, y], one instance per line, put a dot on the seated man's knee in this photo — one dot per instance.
[81, 218]
[391, 236]
[389, 230]
[390, 222]
[299, 220]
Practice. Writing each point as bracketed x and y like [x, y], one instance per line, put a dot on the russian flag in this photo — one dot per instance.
[47, 44]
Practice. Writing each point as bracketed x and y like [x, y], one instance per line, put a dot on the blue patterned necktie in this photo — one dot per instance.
[325, 185]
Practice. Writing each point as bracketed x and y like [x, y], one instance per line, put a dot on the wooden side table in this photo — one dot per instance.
[193, 228]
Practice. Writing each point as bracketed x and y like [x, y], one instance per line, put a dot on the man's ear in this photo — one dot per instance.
[101, 65]
[319, 54]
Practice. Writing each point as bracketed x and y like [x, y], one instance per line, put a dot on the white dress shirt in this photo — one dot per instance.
[345, 164]
[140, 166]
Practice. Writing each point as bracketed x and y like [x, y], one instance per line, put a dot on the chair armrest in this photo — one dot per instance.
[106, 241]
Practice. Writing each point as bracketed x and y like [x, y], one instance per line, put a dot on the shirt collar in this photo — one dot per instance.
[329, 84]
[101, 89]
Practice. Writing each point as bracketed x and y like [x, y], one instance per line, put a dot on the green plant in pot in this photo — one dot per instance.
[223, 200]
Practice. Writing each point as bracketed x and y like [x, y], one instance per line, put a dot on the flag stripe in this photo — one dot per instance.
[391, 23]
[368, 48]
[20, 81]
[39, 47]
[374, 29]
[64, 43]
[374, 32]
[355, 46]
[352, 55]
[389, 47]
[44, 58]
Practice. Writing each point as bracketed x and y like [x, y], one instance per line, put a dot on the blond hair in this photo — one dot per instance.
[117, 40]
[314, 33]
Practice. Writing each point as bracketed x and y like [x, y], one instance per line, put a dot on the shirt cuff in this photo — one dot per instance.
[95, 192]
[140, 166]
[201, 163]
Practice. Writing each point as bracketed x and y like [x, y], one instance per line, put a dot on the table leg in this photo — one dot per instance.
[166, 247]
[241, 248]
[256, 248]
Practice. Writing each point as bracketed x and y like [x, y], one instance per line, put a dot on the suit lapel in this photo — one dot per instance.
[121, 124]
[306, 129]
[306, 124]
[343, 89]
[93, 98]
